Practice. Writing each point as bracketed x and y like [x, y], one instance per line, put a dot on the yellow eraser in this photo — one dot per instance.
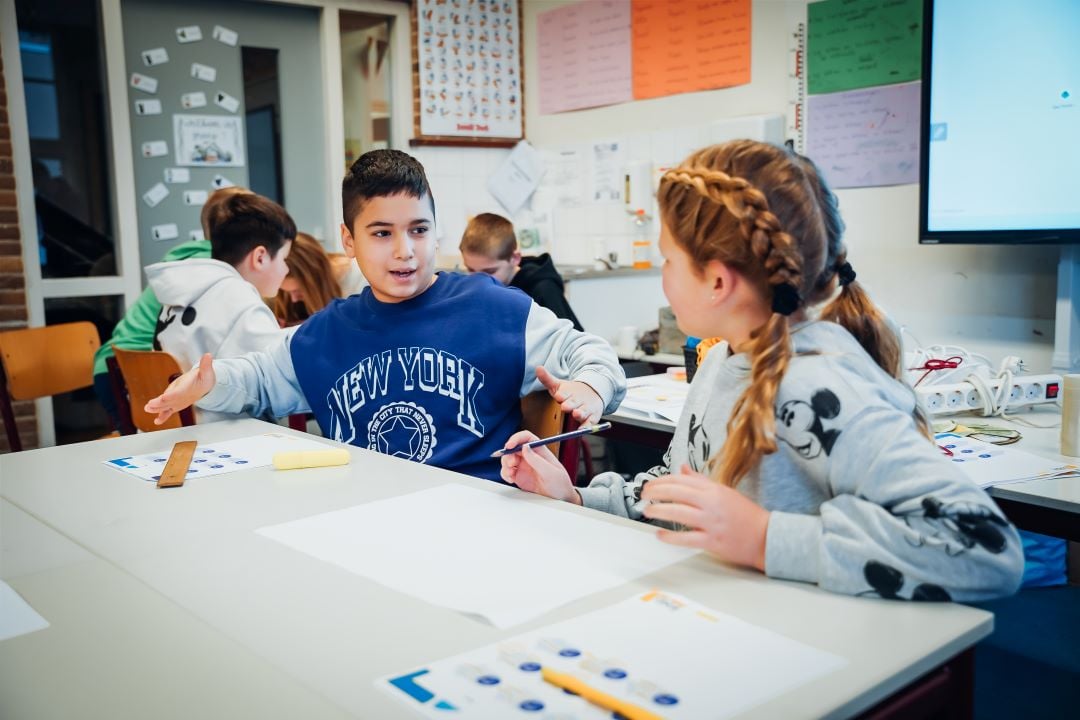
[310, 458]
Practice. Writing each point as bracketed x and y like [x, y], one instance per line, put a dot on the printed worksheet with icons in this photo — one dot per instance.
[666, 655]
[219, 458]
[989, 465]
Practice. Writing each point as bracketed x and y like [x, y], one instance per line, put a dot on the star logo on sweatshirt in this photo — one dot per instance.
[403, 430]
[400, 437]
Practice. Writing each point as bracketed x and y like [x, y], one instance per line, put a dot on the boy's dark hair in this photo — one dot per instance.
[243, 222]
[382, 173]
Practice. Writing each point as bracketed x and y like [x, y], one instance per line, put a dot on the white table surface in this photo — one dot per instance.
[1057, 493]
[166, 603]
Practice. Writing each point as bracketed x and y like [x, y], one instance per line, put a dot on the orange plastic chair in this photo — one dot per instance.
[146, 374]
[45, 361]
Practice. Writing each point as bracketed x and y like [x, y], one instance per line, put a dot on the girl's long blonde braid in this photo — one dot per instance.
[768, 255]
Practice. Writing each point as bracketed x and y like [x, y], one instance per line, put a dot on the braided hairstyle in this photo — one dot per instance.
[764, 212]
[852, 308]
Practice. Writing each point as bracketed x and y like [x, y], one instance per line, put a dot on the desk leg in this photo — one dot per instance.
[948, 691]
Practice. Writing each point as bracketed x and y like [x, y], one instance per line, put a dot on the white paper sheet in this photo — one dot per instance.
[517, 177]
[496, 555]
[659, 651]
[156, 194]
[16, 615]
[188, 34]
[144, 82]
[219, 458]
[988, 465]
[656, 395]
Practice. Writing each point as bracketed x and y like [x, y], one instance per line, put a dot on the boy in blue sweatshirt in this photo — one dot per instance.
[421, 365]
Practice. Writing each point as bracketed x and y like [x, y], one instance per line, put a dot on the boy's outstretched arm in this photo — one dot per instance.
[183, 391]
[575, 365]
[257, 383]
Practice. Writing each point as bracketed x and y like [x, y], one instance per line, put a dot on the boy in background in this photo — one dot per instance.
[490, 246]
[423, 366]
[215, 305]
[135, 331]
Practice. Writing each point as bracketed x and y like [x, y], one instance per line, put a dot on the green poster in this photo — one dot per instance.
[861, 43]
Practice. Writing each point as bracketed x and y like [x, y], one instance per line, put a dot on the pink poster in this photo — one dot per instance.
[866, 138]
[584, 56]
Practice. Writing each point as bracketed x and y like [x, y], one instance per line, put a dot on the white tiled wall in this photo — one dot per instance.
[576, 235]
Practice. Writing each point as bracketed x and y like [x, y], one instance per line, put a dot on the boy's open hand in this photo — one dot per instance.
[183, 391]
[722, 520]
[537, 470]
[576, 397]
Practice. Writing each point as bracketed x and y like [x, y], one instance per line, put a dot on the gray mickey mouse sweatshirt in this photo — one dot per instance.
[861, 502]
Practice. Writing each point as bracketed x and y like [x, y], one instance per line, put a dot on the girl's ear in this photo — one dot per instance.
[720, 281]
[347, 241]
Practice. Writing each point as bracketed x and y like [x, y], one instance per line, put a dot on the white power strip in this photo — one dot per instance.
[964, 397]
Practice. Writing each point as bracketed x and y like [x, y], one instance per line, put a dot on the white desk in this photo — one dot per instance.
[141, 583]
[1050, 506]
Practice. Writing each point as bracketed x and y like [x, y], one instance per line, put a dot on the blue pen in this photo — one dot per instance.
[589, 430]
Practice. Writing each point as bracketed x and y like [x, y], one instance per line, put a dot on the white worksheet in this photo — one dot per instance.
[219, 458]
[656, 395]
[988, 465]
[492, 554]
[662, 653]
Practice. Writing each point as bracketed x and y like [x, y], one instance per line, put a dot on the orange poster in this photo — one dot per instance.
[689, 45]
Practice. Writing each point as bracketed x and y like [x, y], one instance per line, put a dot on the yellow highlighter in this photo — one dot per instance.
[310, 459]
[596, 697]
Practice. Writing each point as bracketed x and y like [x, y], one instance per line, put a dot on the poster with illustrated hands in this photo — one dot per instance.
[468, 87]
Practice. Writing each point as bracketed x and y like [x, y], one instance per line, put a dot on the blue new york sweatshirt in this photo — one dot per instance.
[436, 379]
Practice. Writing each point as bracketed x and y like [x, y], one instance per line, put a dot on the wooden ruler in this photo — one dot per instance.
[176, 468]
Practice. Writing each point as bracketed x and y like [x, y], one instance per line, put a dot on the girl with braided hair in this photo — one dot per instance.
[799, 452]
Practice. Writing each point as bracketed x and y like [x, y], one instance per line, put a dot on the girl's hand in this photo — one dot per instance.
[723, 521]
[576, 397]
[537, 471]
[184, 391]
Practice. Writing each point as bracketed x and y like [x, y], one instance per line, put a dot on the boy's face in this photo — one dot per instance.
[501, 270]
[393, 241]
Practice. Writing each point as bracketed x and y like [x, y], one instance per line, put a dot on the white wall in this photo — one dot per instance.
[991, 299]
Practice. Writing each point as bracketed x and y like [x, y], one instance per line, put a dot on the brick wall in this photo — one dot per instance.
[12, 278]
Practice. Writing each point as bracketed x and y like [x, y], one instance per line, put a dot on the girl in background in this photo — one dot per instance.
[310, 284]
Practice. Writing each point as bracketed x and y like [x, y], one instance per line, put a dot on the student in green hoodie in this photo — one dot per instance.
[135, 331]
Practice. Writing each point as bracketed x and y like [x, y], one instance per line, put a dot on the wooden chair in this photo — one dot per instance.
[45, 361]
[145, 375]
[543, 416]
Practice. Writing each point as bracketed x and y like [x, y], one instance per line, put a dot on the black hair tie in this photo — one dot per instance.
[785, 299]
[846, 273]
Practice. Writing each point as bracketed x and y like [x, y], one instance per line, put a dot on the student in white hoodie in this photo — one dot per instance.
[215, 305]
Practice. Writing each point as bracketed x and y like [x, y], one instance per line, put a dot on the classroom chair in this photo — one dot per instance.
[41, 362]
[140, 375]
[143, 375]
[542, 415]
